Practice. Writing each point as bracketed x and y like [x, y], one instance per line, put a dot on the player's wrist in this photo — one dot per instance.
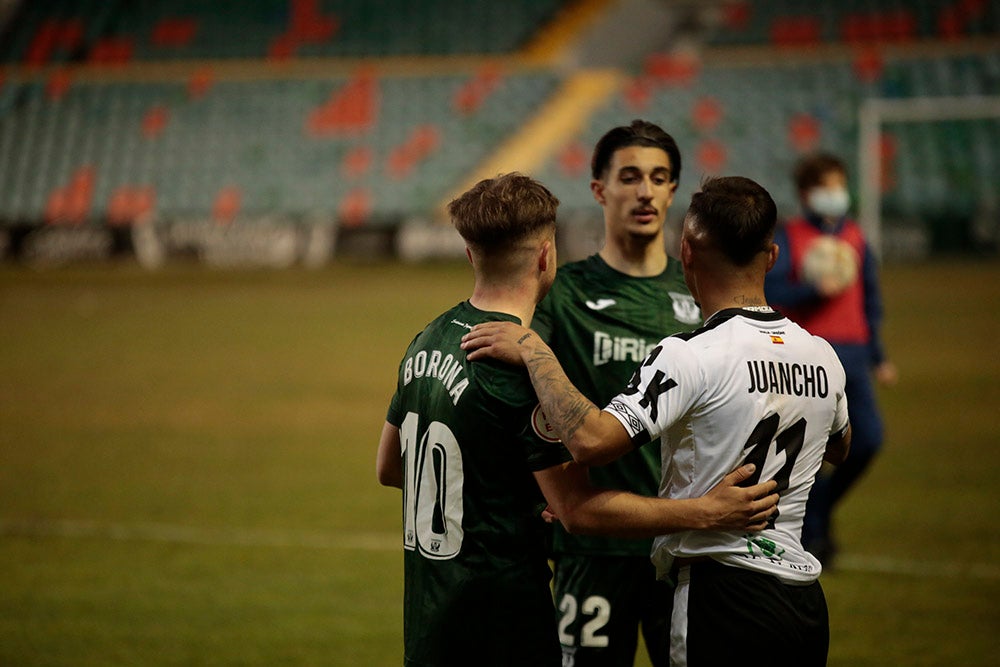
[692, 514]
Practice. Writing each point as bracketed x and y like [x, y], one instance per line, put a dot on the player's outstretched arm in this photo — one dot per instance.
[389, 459]
[584, 509]
[592, 436]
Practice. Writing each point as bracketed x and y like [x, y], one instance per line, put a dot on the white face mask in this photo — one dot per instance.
[829, 202]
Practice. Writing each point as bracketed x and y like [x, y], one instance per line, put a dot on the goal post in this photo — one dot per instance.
[873, 114]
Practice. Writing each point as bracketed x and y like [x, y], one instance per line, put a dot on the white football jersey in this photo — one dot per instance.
[748, 387]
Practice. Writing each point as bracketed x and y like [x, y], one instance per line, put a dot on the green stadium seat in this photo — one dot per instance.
[72, 30]
[405, 142]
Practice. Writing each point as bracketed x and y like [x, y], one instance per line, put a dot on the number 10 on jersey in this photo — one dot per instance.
[432, 489]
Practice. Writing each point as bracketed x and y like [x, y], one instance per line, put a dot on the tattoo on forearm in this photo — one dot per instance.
[564, 406]
[523, 338]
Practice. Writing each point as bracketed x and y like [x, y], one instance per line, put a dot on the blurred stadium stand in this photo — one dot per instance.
[204, 123]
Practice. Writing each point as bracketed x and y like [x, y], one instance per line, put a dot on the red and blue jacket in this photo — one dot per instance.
[849, 318]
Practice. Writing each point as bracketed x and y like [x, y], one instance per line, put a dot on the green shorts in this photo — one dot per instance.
[602, 601]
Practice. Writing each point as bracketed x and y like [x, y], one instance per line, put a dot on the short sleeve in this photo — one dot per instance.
[660, 392]
[395, 413]
[542, 452]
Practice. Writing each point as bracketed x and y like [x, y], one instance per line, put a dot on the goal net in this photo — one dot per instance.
[950, 172]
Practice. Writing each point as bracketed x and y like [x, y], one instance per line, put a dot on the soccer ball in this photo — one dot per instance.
[831, 261]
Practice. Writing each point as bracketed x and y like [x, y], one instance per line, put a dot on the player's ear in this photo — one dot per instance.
[468, 254]
[597, 189]
[773, 256]
[545, 256]
[685, 251]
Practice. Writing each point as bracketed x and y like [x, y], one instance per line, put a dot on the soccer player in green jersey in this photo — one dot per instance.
[477, 462]
[601, 318]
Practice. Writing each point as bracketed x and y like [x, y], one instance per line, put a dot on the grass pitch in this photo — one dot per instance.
[187, 468]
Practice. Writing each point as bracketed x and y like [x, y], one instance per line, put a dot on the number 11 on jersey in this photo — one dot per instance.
[788, 441]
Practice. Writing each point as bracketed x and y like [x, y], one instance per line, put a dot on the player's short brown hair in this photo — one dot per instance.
[737, 215]
[810, 170]
[497, 213]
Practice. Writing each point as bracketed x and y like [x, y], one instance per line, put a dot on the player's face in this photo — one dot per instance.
[636, 193]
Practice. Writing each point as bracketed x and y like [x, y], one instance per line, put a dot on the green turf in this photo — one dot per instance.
[187, 468]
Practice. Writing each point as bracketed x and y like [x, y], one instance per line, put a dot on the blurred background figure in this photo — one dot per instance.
[826, 280]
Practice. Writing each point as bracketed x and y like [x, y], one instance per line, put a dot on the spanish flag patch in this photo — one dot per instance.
[777, 340]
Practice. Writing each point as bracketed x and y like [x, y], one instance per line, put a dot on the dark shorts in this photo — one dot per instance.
[729, 615]
[499, 620]
[601, 602]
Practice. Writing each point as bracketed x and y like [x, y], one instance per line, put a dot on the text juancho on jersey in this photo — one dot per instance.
[781, 377]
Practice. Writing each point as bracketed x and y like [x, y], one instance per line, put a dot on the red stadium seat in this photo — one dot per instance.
[672, 69]
[422, 141]
[200, 83]
[869, 64]
[804, 132]
[111, 51]
[351, 109]
[155, 121]
[54, 36]
[58, 84]
[227, 205]
[129, 203]
[707, 113]
[795, 30]
[174, 32]
[711, 156]
[307, 25]
[70, 204]
[355, 207]
[573, 160]
[470, 97]
[890, 26]
[638, 92]
[357, 161]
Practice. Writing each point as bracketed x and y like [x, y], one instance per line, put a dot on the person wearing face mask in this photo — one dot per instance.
[826, 280]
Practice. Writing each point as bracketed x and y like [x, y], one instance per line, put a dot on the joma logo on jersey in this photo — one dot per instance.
[613, 348]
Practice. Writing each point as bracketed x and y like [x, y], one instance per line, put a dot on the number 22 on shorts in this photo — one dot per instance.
[595, 606]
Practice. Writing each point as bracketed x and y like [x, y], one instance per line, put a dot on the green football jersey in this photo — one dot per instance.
[476, 577]
[601, 324]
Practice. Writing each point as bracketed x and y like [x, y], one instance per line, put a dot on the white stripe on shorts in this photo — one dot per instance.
[679, 620]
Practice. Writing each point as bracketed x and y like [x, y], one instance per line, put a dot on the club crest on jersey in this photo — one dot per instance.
[541, 426]
[685, 309]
